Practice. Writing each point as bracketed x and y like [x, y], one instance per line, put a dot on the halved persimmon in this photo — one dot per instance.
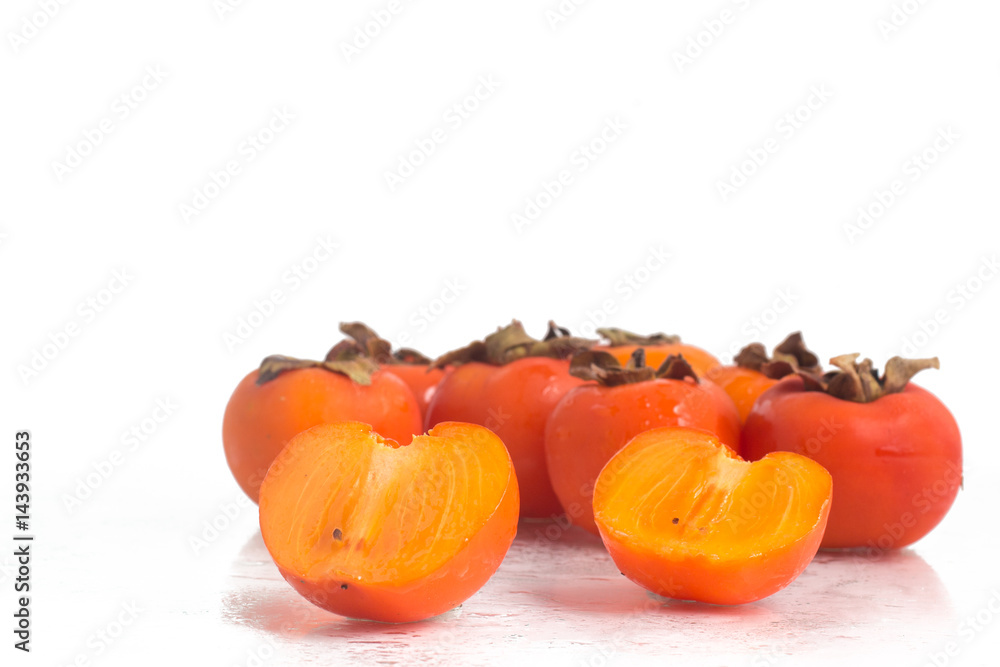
[685, 517]
[367, 528]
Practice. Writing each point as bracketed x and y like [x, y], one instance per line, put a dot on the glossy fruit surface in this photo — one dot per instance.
[896, 461]
[366, 528]
[683, 516]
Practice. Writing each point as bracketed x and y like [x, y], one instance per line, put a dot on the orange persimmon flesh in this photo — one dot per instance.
[366, 528]
[685, 517]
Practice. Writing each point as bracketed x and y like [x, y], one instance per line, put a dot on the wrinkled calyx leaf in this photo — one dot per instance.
[861, 382]
[362, 341]
[359, 369]
[617, 337]
[605, 369]
[512, 342]
[790, 356]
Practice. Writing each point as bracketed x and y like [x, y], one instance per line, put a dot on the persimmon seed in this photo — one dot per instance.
[338, 534]
[675, 521]
[343, 587]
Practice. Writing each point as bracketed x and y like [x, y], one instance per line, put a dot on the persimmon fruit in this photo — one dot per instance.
[658, 346]
[592, 422]
[285, 396]
[367, 528]
[509, 382]
[685, 517]
[753, 372]
[407, 364]
[893, 448]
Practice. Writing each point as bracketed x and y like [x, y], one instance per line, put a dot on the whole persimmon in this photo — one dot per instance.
[685, 517]
[286, 395]
[509, 382]
[658, 346]
[753, 372]
[367, 528]
[407, 364]
[592, 422]
[893, 448]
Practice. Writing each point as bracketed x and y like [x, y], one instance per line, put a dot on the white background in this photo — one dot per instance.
[776, 254]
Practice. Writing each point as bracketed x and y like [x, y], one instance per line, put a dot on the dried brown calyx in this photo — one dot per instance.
[617, 337]
[603, 368]
[363, 341]
[860, 382]
[512, 342]
[358, 368]
[790, 356]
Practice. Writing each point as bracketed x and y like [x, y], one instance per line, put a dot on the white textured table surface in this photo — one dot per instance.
[554, 601]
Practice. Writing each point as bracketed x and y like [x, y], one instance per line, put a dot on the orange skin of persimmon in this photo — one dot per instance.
[366, 528]
[700, 360]
[513, 401]
[593, 422]
[744, 386]
[896, 461]
[260, 419]
[683, 516]
[421, 379]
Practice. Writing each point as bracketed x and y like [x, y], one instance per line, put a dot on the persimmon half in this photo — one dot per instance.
[367, 528]
[285, 396]
[685, 517]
